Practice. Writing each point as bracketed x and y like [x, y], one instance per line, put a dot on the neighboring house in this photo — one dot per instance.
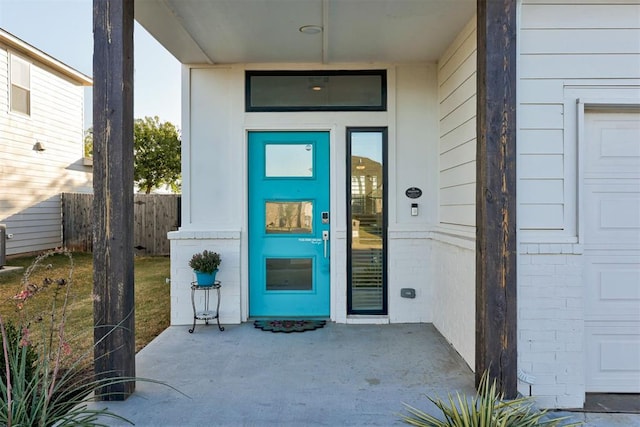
[329, 155]
[41, 143]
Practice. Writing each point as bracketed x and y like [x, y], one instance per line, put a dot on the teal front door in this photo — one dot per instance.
[289, 244]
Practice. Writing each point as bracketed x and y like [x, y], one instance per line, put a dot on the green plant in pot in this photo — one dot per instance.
[205, 266]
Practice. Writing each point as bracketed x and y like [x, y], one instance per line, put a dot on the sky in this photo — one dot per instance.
[63, 29]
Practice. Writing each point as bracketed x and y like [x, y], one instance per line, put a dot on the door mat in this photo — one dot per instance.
[288, 326]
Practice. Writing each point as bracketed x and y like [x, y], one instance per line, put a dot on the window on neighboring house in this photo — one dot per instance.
[20, 86]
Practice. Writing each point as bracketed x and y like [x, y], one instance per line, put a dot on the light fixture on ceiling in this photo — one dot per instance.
[38, 146]
[318, 84]
[310, 29]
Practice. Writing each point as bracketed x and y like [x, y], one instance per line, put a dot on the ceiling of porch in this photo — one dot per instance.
[266, 31]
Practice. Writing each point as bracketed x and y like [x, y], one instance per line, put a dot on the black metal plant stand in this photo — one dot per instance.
[206, 314]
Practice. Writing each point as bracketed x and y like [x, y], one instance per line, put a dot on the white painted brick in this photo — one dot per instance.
[545, 402]
[548, 389]
[549, 259]
[524, 259]
[537, 346]
[525, 366]
[570, 325]
[571, 313]
[540, 357]
[567, 248]
[569, 357]
[575, 260]
[577, 303]
[536, 335]
[541, 324]
[537, 313]
[569, 292]
[550, 249]
[545, 378]
[526, 294]
[574, 380]
[573, 337]
[536, 270]
[568, 401]
[568, 270]
[541, 367]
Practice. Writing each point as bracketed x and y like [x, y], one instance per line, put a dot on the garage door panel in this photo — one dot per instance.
[611, 213]
[617, 213]
[613, 356]
[613, 144]
[613, 291]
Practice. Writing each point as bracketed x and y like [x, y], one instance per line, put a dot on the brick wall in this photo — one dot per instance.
[183, 245]
[551, 323]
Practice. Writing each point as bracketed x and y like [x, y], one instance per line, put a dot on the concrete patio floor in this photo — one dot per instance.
[340, 375]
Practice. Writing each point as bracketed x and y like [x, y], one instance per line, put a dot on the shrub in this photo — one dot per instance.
[205, 262]
[43, 394]
[22, 351]
[487, 409]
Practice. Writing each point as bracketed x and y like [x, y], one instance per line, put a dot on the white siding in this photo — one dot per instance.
[561, 43]
[457, 100]
[568, 49]
[31, 182]
[452, 260]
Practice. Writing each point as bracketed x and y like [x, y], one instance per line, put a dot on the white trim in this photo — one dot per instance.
[367, 320]
[31, 52]
[244, 255]
[185, 146]
[584, 104]
[20, 59]
[550, 248]
[203, 234]
[550, 237]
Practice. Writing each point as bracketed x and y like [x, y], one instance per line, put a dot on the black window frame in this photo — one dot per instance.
[385, 220]
[319, 73]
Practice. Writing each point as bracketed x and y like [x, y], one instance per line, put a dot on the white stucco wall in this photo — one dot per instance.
[413, 163]
[215, 190]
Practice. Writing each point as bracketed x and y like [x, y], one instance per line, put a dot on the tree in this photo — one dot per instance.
[156, 154]
[88, 142]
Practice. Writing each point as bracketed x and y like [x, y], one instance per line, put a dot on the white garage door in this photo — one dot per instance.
[612, 251]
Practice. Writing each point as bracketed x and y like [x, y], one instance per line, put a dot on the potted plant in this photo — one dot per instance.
[205, 266]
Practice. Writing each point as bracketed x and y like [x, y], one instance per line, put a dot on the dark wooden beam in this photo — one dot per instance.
[114, 332]
[496, 314]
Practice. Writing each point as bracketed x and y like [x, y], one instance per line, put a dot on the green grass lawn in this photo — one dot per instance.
[151, 298]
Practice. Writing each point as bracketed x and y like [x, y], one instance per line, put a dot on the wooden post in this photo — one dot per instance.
[114, 332]
[496, 314]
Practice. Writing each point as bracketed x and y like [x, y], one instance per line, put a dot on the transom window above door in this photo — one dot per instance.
[350, 90]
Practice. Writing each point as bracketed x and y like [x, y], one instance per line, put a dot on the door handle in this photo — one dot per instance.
[325, 240]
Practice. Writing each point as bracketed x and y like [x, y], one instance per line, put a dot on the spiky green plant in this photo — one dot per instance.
[486, 409]
[24, 352]
[46, 394]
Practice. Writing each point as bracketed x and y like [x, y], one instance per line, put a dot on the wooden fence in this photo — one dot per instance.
[153, 216]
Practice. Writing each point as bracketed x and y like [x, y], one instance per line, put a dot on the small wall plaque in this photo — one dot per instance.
[413, 192]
